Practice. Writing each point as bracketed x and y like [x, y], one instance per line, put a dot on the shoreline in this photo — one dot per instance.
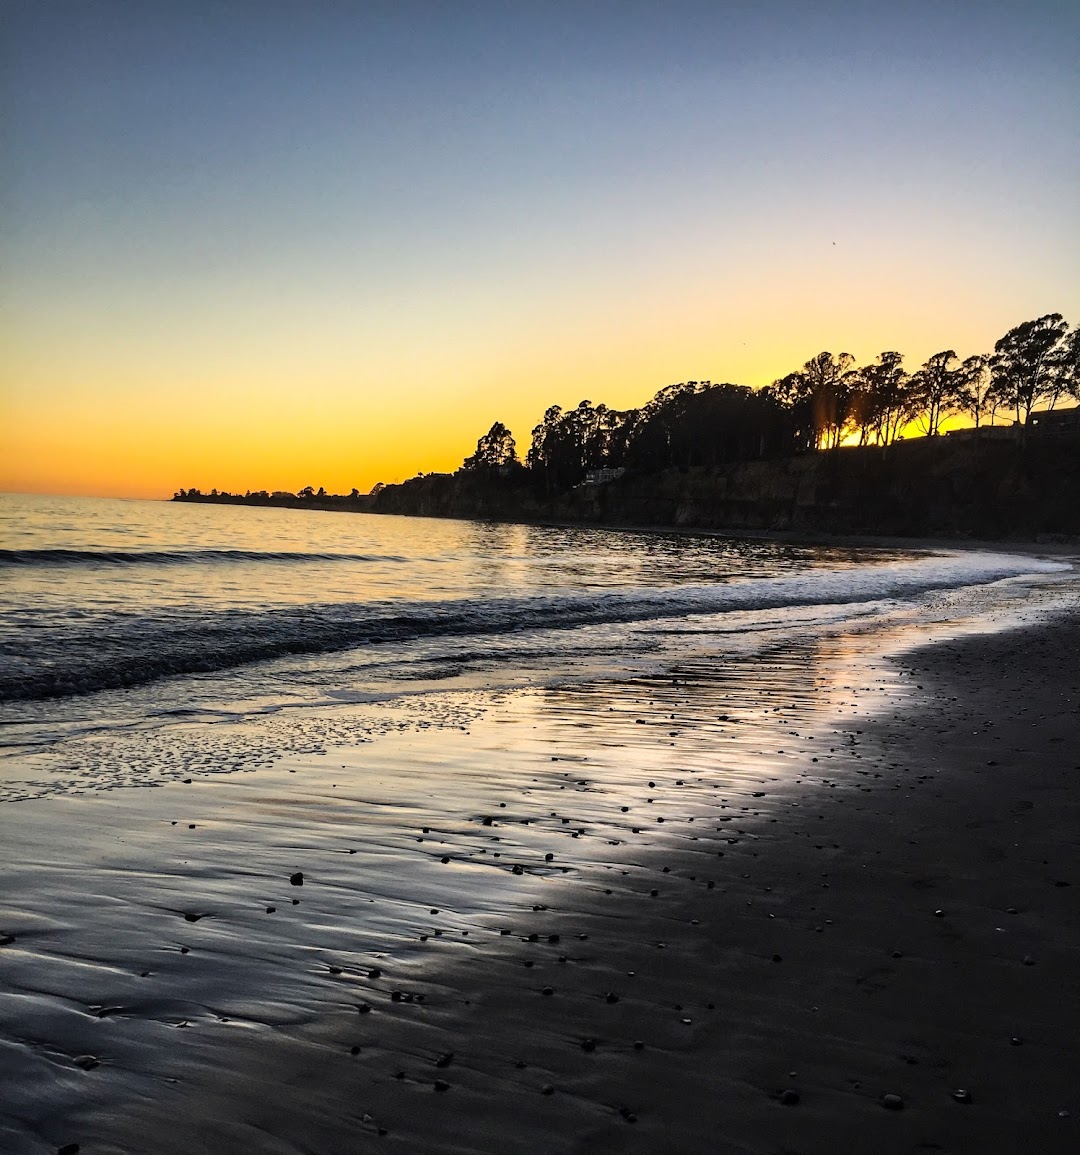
[834, 896]
[1051, 545]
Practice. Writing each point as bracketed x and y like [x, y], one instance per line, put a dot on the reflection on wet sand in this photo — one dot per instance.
[603, 913]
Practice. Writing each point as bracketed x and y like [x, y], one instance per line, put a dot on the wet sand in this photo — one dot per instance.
[779, 890]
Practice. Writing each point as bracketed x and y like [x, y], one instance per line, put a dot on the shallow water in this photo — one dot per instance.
[135, 636]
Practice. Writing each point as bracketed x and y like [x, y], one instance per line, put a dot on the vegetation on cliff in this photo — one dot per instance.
[594, 462]
[828, 401]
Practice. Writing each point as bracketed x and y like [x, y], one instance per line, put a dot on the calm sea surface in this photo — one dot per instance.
[120, 618]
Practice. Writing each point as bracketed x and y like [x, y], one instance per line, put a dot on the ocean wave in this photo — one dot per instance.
[116, 650]
[12, 558]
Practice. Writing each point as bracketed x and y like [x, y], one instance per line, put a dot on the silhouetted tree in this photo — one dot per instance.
[1026, 366]
[821, 392]
[1067, 364]
[974, 389]
[496, 448]
[880, 400]
[791, 392]
[563, 444]
[935, 390]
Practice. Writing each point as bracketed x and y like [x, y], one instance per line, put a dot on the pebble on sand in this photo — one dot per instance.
[892, 1102]
[789, 1097]
[297, 879]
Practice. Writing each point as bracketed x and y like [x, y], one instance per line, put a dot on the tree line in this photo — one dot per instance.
[828, 401]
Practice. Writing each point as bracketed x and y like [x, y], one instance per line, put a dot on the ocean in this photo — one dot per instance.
[142, 640]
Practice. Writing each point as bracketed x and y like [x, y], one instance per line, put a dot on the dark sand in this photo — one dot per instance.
[866, 884]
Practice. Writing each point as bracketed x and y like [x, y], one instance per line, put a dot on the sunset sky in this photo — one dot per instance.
[278, 244]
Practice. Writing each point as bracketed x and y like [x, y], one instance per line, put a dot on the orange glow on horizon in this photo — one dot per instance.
[115, 433]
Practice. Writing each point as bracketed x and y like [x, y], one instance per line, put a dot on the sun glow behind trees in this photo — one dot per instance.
[829, 402]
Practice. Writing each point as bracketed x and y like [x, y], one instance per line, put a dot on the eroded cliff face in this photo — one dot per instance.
[924, 487]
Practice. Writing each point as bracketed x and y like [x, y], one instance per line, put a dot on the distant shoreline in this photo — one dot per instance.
[333, 502]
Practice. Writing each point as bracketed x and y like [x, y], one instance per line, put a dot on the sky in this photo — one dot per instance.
[269, 244]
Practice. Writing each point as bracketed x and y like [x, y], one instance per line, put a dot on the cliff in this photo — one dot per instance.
[994, 489]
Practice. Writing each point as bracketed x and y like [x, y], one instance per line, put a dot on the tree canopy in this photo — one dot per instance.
[819, 406]
[494, 450]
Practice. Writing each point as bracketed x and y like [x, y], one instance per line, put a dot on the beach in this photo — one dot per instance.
[845, 870]
[759, 877]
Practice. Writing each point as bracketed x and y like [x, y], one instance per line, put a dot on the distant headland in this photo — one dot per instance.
[831, 447]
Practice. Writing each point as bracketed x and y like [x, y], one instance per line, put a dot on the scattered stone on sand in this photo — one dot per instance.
[297, 879]
[892, 1102]
[442, 1085]
[961, 1096]
[789, 1097]
[588, 1045]
[445, 1060]
[85, 1062]
[73, 1148]
[547, 1089]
